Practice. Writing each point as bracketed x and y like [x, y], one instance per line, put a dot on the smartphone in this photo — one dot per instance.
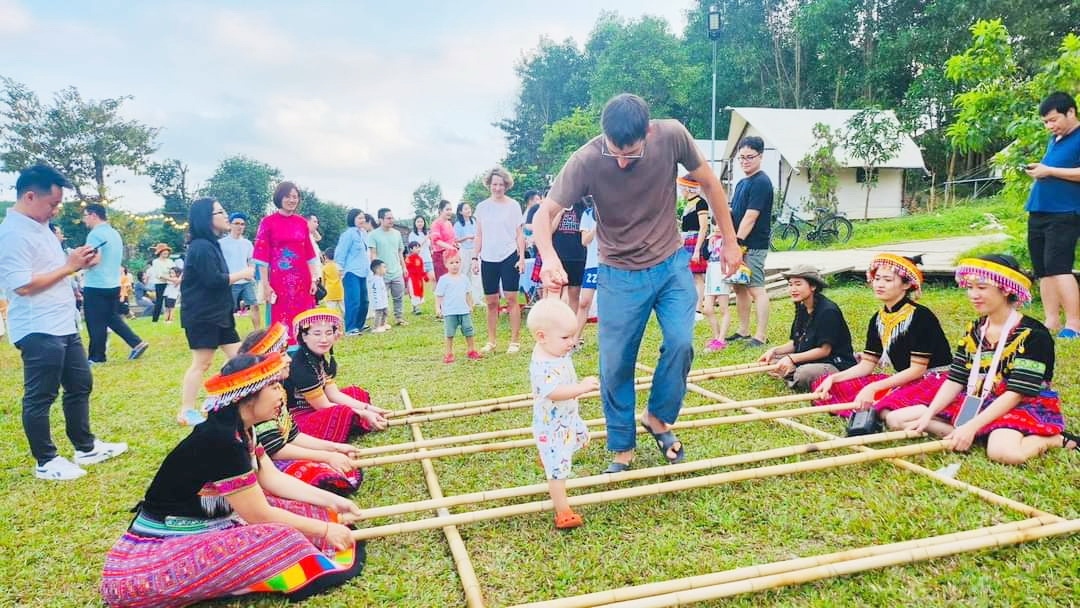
[98, 246]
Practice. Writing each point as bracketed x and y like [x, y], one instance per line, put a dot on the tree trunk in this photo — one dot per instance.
[866, 205]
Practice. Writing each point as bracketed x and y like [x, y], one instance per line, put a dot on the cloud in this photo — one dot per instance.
[14, 19]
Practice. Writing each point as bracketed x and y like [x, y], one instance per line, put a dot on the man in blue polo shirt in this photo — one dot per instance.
[101, 287]
[1054, 220]
[36, 273]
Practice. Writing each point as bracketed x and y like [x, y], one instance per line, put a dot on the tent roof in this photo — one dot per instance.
[790, 132]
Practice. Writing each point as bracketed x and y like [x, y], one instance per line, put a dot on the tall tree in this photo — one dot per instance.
[475, 191]
[331, 217]
[243, 184]
[426, 198]
[170, 183]
[85, 139]
[872, 137]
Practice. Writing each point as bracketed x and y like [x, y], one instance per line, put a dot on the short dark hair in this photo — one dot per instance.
[97, 209]
[531, 193]
[376, 263]
[283, 189]
[370, 220]
[413, 245]
[329, 253]
[753, 142]
[383, 212]
[350, 218]
[201, 220]
[625, 119]
[1058, 100]
[40, 179]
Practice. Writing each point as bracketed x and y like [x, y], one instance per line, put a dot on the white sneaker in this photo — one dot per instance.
[59, 469]
[101, 452]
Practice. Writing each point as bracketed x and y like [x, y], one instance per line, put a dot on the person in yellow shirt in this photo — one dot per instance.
[331, 275]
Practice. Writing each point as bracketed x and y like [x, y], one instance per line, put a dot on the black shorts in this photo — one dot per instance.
[1052, 242]
[208, 336]
[575, 272]
[504, 272]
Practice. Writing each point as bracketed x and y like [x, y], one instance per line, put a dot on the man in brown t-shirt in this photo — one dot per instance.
[629, 173]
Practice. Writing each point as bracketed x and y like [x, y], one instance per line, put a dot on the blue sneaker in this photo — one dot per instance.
[1068, 334]
[190, 418]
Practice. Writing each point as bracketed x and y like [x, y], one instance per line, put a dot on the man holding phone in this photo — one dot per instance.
[35, 272]
[101, 287]
[1054, 215]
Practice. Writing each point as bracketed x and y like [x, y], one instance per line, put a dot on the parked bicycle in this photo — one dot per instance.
[827, 227]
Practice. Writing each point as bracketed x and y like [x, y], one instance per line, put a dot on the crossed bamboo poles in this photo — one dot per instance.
[710, 586]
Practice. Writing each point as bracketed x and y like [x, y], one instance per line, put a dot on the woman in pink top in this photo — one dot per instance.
[442, 237]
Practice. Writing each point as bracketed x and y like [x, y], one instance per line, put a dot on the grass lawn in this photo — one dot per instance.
[56, 534]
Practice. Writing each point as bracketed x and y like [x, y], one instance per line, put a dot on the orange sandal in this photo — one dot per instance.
[567, 520]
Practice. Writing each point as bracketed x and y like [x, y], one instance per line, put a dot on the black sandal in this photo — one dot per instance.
[617, 467]
[666, 441]
[1066, 437]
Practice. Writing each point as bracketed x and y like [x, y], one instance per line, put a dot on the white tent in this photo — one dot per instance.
[788, 138]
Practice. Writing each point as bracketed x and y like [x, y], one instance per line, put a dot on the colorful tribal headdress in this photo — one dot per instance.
[226, 389]
[308, 318]
[688, 182]
[904, 267]
[275, 340]
[971, 271]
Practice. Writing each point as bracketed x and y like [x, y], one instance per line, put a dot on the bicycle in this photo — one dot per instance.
[827, 227]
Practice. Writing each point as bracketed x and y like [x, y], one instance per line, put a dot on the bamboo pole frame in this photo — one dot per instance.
[503, 434]
[895, 558]
[651, 489]
[633, 474]
[398, 419]
[525, 443]
[623, 594]
[984, 494]
[474, 597]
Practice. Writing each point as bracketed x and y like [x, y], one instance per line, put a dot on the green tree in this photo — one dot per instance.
[475, 191]
[170, 183]
[85, 139]
[426, 199]
[873, 138]
[565, 136]
[331, 217]
[822, 168]
[243, 184]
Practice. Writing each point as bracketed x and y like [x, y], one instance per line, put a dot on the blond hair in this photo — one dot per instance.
[501, 172]
[548, 312]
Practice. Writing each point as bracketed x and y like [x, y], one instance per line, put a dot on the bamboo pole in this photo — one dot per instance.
[401, 420]
[526, 400]
[623, 594]
[474, 597]
[986, 495]
[527, 430]
[651, 489]
[525, 443]
[874, 562]
[633, 474]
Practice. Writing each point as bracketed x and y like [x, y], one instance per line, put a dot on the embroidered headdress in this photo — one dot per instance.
[904, 267]
[687, 182]
[275, 340]
[308, 318]
[226, 389]
[971, 271]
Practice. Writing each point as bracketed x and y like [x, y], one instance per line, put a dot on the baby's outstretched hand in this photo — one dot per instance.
[589, 383]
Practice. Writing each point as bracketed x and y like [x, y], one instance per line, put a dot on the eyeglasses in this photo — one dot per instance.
[747, 157]
[634, 156]
[239, 223]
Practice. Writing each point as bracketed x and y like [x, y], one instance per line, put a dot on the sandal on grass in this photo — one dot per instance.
[617, 467]
[567, 520]
[666, 442]
[512, 348]
[1066, 437]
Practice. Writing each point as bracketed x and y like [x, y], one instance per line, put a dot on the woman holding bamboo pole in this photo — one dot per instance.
[219, 520]
[903, 334]
[998, 386]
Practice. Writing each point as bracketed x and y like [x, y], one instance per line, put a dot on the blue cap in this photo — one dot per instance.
[236, 215]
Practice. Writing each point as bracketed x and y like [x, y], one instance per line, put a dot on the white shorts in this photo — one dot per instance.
[714, 281]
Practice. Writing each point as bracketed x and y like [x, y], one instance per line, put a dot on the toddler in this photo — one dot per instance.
[172, 292]
[717, 291]
[331, 276]
[414, 267]
[378, 296]
[557, 425]
[453, 297]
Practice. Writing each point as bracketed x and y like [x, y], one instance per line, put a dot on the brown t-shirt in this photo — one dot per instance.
[635, 207]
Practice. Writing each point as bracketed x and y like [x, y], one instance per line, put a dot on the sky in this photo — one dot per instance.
[360, 101]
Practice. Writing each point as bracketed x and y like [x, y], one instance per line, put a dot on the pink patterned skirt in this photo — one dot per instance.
[322, 475]
[1039, 415]
[172, 571]
[919, 392]
[336, 423]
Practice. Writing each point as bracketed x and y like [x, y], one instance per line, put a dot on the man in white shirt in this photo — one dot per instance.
[238, 251]
[41, 314]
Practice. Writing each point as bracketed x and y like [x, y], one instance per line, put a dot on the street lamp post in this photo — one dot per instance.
[713, 25]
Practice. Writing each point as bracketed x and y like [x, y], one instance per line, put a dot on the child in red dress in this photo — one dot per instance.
[414, 266]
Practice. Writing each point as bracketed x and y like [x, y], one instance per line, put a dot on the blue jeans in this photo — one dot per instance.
[356, 301]
[625, 301]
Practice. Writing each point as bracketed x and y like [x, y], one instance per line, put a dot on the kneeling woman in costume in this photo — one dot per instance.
[1000, 373]
[220, 520]
[318, 406]
[321, 463]
[903, 334]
